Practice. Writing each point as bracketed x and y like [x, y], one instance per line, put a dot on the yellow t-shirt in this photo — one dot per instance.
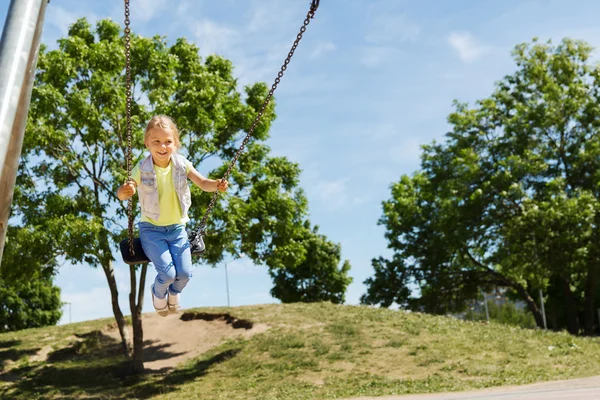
[170, 210]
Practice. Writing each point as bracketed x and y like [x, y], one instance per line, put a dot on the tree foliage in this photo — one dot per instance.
[510, 199]
[29, 303]
[28, 296]
[315, 274]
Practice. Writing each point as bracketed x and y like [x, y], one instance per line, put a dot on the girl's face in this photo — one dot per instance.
[161, 144]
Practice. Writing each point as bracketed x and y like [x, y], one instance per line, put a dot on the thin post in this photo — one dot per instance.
[487, 313]
[19, 48]
[543, 310]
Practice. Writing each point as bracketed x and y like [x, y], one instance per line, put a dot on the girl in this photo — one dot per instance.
[165, 200]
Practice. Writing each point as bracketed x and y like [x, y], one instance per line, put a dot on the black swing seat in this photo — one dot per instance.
[197, 247]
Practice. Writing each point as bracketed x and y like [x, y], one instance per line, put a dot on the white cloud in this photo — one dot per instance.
[256, 58]
[146, 10]
[322, 48]
[184, 7]
[275, 15]
[256, 41]
[467, 46]
[260, 18]
[392, 29]
[212, 37]
[61, 19]
[374, 56]
[337, 194]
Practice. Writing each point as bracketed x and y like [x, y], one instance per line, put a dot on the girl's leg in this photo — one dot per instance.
[182, 258]
[155, 244]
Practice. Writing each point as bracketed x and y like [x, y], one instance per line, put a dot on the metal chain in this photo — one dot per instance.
[309, 16]
[128, 108]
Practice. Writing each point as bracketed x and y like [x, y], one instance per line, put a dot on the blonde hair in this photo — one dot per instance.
[163, 122]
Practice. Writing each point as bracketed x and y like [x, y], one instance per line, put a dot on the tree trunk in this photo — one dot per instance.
[499, 279]
[531, 304]
[137, 362]
[571, 307]
[524, 295]
[590, 309]
[114, 295]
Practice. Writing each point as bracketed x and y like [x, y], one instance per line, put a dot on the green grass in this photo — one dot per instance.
[310, 351]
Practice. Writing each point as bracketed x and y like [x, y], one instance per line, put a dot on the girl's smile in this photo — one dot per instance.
[161, 143]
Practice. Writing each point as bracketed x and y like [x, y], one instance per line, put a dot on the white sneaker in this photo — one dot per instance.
[173, 302]
[160, 305]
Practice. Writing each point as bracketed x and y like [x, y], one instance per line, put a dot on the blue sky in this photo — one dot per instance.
[371, 81]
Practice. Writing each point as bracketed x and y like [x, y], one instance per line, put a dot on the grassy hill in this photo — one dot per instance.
[309, 351]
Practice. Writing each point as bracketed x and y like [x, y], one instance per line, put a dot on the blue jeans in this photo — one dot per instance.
[168, 248]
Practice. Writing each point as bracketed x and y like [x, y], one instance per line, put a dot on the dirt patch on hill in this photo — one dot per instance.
[176, 338]
[168, 341]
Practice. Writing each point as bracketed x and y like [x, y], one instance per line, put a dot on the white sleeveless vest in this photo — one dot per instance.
[148, 190]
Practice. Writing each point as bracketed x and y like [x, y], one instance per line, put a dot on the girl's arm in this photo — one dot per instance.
[208, 185]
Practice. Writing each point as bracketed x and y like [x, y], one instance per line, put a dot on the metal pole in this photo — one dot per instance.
[227, 285]
[19, 49]
[543, 310]
[487, 313]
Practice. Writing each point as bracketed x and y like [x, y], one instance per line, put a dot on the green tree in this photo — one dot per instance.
[75, 145]
[387, 286]
[314, 274]
[35, 240]
[28, 296]
[29, 303]
[511, 198]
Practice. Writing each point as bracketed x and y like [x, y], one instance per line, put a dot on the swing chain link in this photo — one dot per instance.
[309, 16]
[128, 112]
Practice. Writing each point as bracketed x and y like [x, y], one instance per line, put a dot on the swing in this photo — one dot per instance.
[131, 248]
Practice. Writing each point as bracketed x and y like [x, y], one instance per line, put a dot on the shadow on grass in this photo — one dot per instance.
[10, 354]
[103, 378]
[70, 379]
[156, 352]
[93, 344]
[14, 355]
[95, 368]
[9, 343]
[90, 364]
[152, 387]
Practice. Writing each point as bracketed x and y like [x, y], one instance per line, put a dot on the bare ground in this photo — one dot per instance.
[179, 337]
[176, 338]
